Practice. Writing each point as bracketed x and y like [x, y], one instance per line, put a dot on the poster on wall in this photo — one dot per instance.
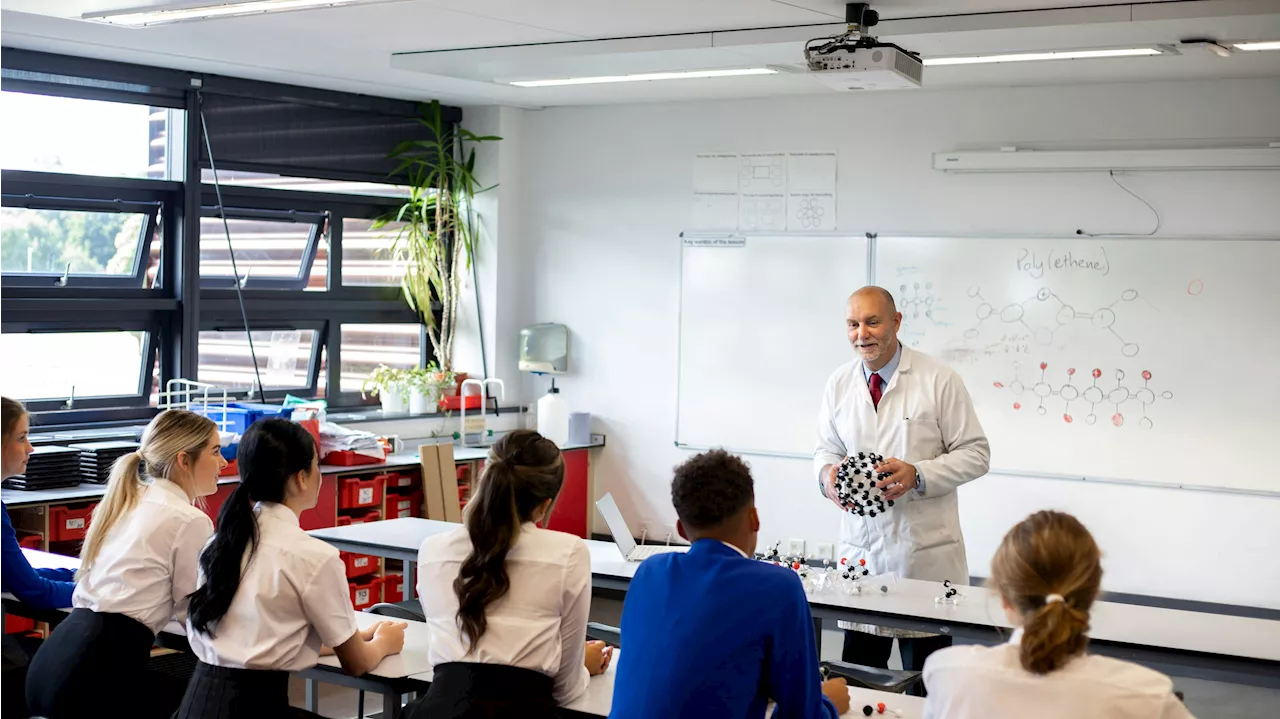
[764, 191]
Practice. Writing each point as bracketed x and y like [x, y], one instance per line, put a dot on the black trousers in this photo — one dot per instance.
[873, 651]
[93, 665]
[486, 691]
[226, 693]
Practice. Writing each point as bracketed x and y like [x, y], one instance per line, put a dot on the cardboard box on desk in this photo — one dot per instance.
[439, 482]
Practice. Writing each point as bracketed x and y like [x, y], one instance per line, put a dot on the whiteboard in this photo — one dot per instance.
[761, 329]
[1144, 360]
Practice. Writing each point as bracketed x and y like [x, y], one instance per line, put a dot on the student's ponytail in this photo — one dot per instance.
[1049, 569]
[172, 433]
[270, 453]
[524, 470]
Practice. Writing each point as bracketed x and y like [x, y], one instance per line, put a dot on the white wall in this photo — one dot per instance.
[605, 192]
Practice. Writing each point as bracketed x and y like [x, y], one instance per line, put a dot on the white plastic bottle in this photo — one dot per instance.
[553, 416]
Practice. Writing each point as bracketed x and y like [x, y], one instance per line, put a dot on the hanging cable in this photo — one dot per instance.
[226, 229]
[1112, 174]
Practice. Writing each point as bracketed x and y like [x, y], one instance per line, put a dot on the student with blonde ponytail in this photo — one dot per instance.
[137, 566]
[37, 588]
[506, 602]
[1047, 571]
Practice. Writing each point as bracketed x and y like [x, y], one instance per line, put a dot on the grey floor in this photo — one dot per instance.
[1205, 699]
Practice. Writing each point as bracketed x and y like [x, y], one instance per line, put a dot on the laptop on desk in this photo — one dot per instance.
[622, 534]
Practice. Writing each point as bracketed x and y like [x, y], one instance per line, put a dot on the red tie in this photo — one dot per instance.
[876, 392]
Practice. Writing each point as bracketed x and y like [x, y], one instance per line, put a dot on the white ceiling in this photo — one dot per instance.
[351, 48]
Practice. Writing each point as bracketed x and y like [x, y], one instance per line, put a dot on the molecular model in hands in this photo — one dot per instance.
[857, 485]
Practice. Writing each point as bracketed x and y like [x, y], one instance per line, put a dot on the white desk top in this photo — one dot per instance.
[49, 560]
[412, 660]
[1154, 627]
[1110, 621]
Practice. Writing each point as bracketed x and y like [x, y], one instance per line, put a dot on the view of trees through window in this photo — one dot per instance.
[52, 240]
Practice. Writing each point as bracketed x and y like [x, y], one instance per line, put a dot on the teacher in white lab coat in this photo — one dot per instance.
[913, 410]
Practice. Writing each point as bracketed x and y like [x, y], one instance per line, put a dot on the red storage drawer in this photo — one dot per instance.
[359, 564]
[348, 458]
[30, 541]
[374, 516]
[404, 505]
[393, 588]
[392, 481]
[358, 493]
[366, 593]
[18, 625]
[67, 524]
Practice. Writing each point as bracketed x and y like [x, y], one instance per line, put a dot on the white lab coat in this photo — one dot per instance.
[926, 419]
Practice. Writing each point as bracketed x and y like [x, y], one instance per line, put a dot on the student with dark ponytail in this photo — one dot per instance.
[37, 588]
[506, 602]
[1047, 571]
[271, 597]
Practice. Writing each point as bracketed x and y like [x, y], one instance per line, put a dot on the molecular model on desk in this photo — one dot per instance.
[844, 577]
[856, 485]
[950, 595]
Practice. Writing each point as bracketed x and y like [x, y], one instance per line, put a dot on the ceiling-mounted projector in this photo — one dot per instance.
[857, 61]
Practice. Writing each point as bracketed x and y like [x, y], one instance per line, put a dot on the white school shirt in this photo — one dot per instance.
[990, 683]
[541, 623]
[148, 562]
[293, 597]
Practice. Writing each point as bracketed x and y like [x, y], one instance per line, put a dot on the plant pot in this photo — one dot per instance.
[456, 389]
[424, 401]
[392, 401]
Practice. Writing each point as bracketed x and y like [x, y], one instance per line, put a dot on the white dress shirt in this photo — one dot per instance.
[541, 623]
[293, 597]
[148, 562]
[990, 683]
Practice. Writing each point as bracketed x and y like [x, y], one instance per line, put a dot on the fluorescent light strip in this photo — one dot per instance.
[644, 77]
[1252, 46]
[139, 17]
[1037, 56]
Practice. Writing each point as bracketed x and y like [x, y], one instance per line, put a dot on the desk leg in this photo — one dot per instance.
[817, 636]
[313, 697]
[410, 584]
[390, 706]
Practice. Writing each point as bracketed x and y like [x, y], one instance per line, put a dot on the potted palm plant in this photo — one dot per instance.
[435, 237]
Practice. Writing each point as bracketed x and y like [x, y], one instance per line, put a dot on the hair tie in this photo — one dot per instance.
[1052, 598]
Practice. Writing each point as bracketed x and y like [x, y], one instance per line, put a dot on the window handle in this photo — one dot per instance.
[71, 401]
[66, 275]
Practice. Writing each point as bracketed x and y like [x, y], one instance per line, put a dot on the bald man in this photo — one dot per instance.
[913, 410]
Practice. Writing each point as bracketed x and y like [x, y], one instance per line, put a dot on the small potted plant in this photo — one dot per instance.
[389, 385]
[426, 385]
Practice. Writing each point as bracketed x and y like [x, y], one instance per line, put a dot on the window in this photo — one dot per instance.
[365, 346]
[85, 137]
[239, 178]
[108, 240]
[272, 249]
[285, 358]
[366, 254]
[88, 364]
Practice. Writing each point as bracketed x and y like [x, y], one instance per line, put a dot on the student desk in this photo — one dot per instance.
[1212, 646]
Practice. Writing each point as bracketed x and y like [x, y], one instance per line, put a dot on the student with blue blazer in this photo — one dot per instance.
[713, 632]
[37, 588]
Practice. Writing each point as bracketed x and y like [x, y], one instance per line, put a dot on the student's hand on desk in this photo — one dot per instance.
[902, 478]
[837, 690]
[597, 657]
[389, 634]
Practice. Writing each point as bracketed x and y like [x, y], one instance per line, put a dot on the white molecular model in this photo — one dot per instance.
[951, 595]
[858, 487]
[844, 577]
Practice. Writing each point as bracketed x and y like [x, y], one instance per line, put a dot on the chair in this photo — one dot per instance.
[410, 610]
[897, 681]
[604, 633]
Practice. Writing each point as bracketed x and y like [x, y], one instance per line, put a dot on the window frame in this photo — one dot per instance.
[179, 304]
[149, 209]
[317, 221]
[150, 346]
[320, 329]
